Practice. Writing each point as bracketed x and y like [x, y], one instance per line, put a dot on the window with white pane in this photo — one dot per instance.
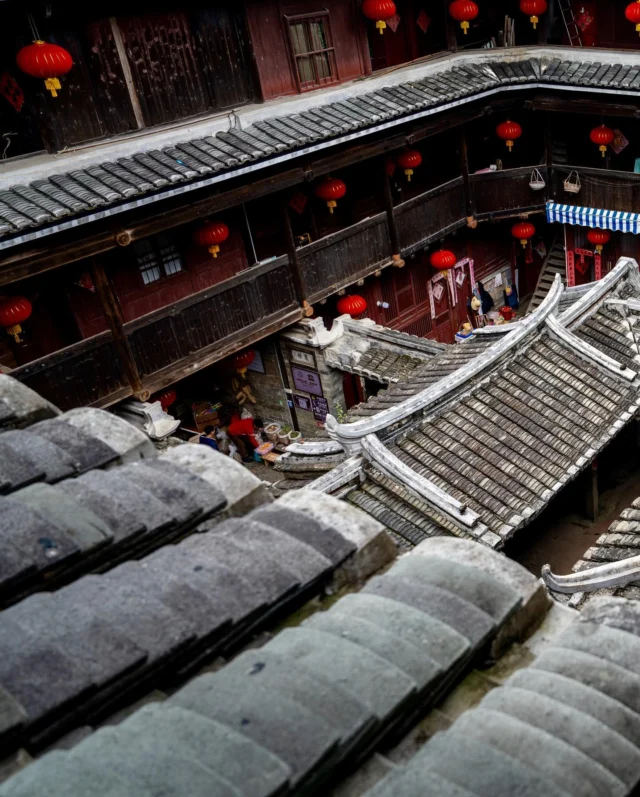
[312, 50]
[157, 258]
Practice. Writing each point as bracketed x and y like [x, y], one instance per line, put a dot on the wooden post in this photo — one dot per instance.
[591, 492]
[394, 238]
[451, 29]
[294, 261]
[548, 150]
[113, 313]
[469, 204]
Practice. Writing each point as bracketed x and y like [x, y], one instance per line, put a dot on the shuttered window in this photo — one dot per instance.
[312, 50]
[157, 258]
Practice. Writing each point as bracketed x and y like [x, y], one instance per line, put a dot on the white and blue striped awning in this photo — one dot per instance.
[592, 217]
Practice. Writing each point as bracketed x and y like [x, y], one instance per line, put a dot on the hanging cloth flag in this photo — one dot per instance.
[583, 20]
[620, 142]
[11, 91]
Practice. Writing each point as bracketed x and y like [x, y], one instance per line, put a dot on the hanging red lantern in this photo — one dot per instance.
[352, 305]
[523, 231]
[534, 9]
[212, 235]
[167, 399]
[331, 190]
[509, 132]
[46, 61]
[599, 238]
[443, 260]
[463, 11]
[241, 361]
[603, 136]
[632, 13]
[380, 11]
[14, 310]
[409, 160]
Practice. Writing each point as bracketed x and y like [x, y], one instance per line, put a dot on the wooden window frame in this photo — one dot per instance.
[325, 16]
[161, 261]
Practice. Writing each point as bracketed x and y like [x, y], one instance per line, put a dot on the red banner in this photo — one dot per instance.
[597, 261]
[571, 269]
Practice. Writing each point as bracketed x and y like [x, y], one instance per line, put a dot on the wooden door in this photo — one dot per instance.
[442, 326]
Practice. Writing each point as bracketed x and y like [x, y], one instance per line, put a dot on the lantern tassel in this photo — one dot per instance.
[409, 173]
[603, 149]
[381, 25]
[15, 332]
[510, 145]
[638, 27]
[331, 204]
[534, 22]
[52, 84]
[214, 250]
[465, 27]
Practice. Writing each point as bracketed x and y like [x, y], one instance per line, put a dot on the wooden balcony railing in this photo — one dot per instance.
[430, 215]
[600, 188]
[506, 192]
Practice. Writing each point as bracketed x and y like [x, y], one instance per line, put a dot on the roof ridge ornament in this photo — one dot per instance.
[351, 435]
[612, 574]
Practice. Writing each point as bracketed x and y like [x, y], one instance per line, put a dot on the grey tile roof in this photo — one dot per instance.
[45, 202]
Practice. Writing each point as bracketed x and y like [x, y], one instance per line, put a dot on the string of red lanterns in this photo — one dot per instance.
[443, 260]
[509, 132]
[46, 61]
[632, 13]
[331, 190]
[464, 11]
[409, 160]
[14, 311]
[534, 9]
[599, 238]
[353, 305]
[380, 11]
[211, 235]
[603, 137]
[523, 231]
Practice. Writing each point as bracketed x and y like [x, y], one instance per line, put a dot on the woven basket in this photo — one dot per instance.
[537, 182]
[572, 183]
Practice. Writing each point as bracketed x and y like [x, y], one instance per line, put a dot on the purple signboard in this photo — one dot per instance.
[302, 403]
[307, 381]
[320, 409]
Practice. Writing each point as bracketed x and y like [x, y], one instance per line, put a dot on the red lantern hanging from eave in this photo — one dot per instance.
[534, 9]
[409, 160]
[509, 132]
[379, 11]
[243, 360]
[603, 137]
[352, 305]
[46, 61]
[211, 235]
[463, 11]
[632, 13]
[523, 231]
[167, 399]
[443, 260]
[331, 190]
[599, 238]
[14, 311]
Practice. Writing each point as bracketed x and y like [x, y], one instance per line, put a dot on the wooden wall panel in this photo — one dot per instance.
[499, 193]
[271, 43]
[608, 190]
[433, 213]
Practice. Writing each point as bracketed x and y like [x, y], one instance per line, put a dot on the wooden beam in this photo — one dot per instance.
[590, 107]
[113, 313]
[464, 171]
[548, 151]
[394, 238]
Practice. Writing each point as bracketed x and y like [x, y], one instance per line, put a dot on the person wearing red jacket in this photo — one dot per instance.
[242, 433]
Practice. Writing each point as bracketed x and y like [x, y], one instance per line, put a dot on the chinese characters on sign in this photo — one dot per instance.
[307, 381]
[320, 409]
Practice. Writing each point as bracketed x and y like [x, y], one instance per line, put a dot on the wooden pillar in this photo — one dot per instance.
[451, 29]
[113, 313]
[548, 151]
[591, 492]
[394, 238]
[469, 204]
[294, 261]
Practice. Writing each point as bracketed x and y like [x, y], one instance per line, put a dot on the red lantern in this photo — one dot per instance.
[409, 160]
[212, 235]
[599, 238]
[352, 305]
[509, 132]
[14, 310]
[380, 11]
[523, 232]
[443, 260]
[463, 11]
[45, 61]
[331, 190]
[243, 360]
[167, 399]
[603, 136]
[533, 9]
[632, 13]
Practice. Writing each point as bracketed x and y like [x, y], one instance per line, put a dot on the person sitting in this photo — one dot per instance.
[242, 432]
[209, 438]
[511, 297]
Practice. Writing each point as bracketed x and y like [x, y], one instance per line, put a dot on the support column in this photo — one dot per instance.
[469, 204]
[113, 313]
[294, 260]
[394, 238]
[451, 29]
[548, 149]
[591, 492]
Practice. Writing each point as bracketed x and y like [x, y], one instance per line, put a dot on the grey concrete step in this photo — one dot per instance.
[577, 728]
[554, 759]
[373, 681]
[252, 769]
[293, 733]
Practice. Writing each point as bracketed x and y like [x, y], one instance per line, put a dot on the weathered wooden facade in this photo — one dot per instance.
[172, 118]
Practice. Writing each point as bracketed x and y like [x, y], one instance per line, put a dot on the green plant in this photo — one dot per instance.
[341, 415]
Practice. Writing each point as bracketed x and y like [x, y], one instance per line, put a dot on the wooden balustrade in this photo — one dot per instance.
[600, 188]
[430, 215]
[506, 192]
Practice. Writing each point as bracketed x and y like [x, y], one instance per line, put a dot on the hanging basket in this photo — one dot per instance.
[572, 184]
[537, 182]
